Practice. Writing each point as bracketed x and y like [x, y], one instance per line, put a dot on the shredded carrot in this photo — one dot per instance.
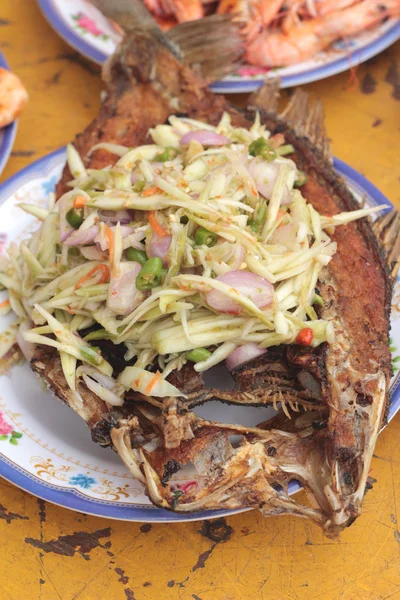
[110, 238]
[151, 191]
[155, 225]
[5, 303]
[153, 382]
[105, 275]
[79, 201]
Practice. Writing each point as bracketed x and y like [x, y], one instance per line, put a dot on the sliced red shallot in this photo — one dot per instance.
[265, 175]
[112, 217]
[123, 295]
[157, 166]
[205, 138]
[102, 238]
[93, 253]
[236, 259]
[254, 287]
[159, 246]
[287, 236]
[82, 237]
[243, 354]
[136, 175]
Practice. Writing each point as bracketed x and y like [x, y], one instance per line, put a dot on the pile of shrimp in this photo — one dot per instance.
[283, 32]
[13, 97]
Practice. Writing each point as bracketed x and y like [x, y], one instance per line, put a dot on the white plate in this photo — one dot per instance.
[45, 448]
[82, 26]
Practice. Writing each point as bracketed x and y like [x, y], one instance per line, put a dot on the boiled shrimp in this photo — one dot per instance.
[13, 97]
[257, 14]
[306, 38]
[323, 7]
[181, 10]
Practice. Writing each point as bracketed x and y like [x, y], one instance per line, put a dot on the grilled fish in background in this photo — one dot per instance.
[332, 399]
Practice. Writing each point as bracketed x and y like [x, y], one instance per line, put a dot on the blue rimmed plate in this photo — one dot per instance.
[46, 449]
[84, 28]
[7, 134]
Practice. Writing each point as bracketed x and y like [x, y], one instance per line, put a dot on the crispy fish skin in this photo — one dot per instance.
[357, 291]
[329, 455]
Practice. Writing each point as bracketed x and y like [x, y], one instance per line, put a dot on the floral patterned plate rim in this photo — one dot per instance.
[7, 134]
[45, 448]
[84, 28]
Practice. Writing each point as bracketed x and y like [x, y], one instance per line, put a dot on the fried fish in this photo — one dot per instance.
[332, 399]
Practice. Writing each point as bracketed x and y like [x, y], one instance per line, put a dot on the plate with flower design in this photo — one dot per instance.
[46, 449]
[84, 28]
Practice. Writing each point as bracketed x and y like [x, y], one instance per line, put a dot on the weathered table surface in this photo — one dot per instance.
[244, 556]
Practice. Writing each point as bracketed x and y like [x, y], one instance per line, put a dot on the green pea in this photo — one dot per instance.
[301, 179]
[198, 355]
[136, 255]
[204, 237]
[168, 154]
[74, 218]
[139, 186]
[260, 147]
[150, 275]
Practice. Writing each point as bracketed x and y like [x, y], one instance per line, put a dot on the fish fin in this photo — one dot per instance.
[262, 396]
[266, 98]
[212, 46]
[133, 16]
[307, 119]
[387, 231]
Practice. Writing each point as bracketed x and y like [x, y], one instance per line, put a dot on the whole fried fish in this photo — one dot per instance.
[332, 398]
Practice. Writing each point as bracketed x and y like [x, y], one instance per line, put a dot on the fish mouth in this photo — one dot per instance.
[331, 401]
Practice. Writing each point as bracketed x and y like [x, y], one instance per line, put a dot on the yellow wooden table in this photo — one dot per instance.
[51, 553]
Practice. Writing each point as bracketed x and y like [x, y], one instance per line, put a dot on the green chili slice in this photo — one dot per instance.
[74, 218]
[204, 237]
[259, 216]
[260, 147]
[198, 355]
[150, 275]
[168, 154]
[136, 255]
[139, 186]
